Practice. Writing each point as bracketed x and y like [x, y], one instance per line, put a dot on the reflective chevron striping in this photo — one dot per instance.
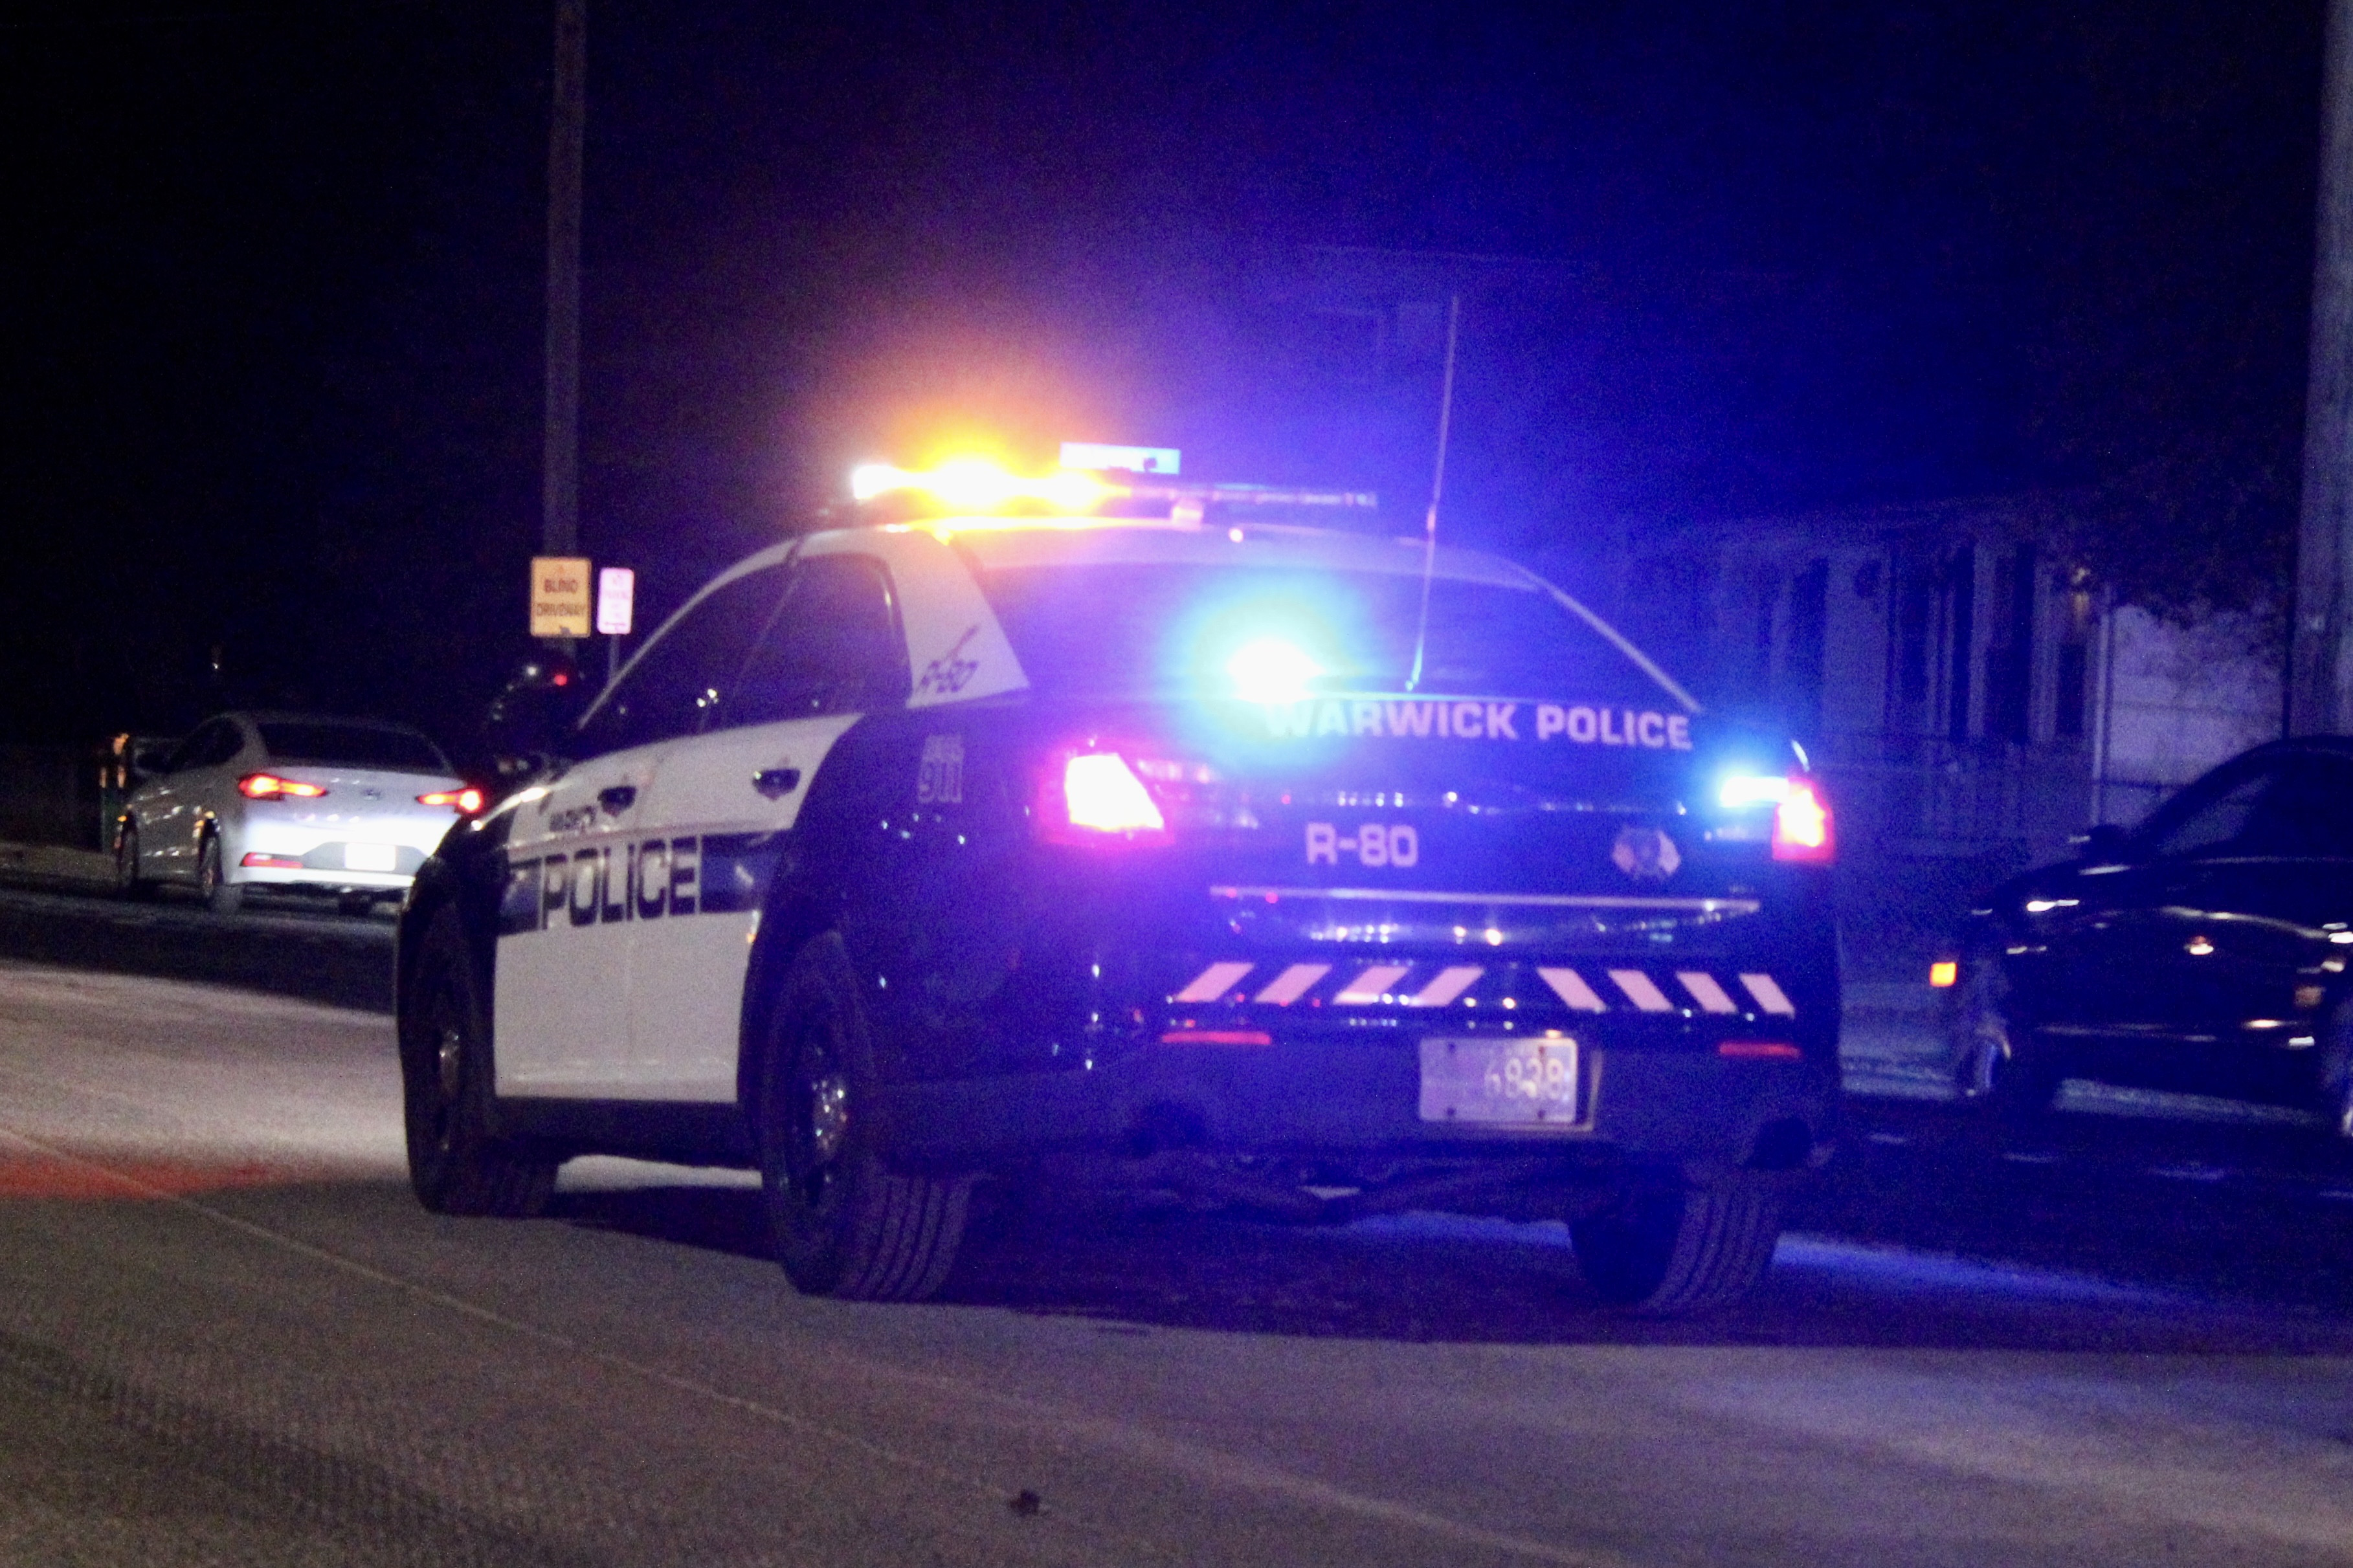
[1570, 987]
[1372, 984]
[1641, 991]
[1378, 982]
[1706, 990]
[1293, 982]
[1445, 986]
[1768, 996]
[1214, 982]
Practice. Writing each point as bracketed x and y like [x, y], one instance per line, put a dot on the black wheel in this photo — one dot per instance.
[1667, 1248]
[845, 1222]
[457, 1162]
[127, 882]
[2336, 1073]
[1996, 1065]
[220, 895]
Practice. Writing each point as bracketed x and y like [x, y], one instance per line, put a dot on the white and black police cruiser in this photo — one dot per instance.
[1297, 861]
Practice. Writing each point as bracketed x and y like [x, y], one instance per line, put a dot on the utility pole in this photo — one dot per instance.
[560, 458]
[2320, 647]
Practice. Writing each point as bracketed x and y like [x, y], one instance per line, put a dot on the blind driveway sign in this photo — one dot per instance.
[559, 596]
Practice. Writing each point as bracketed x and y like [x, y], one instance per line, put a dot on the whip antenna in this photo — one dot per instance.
[1437, 490]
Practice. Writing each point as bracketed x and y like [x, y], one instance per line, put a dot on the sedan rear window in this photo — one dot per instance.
[352, 746]
[1123, 630]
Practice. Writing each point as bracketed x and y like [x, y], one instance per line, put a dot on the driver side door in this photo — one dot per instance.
[575, 879]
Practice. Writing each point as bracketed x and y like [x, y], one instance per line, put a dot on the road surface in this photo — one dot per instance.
[228, 1335]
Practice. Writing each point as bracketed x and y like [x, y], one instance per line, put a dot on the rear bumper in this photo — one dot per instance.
[390, 884]
[1362, 1097]
[1135, 1017]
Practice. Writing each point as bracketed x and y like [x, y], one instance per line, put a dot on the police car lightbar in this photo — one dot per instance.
[975, 486]
[1200, 496]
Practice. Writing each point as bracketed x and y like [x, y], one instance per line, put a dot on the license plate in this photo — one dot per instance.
[371, 857]
[1501, 1082]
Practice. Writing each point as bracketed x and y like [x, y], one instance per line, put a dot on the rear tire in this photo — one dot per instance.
[457, 1162]
[844, 1222]
[1666, 1249]
[127, 882]
[220, 895]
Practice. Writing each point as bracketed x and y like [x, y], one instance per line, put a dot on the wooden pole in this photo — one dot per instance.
[560, 454]
[2320, 649]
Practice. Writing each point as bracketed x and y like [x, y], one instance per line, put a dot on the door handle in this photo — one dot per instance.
[776, 783]
[617, 798]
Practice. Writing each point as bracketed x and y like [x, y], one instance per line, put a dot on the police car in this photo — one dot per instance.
[1321, 871]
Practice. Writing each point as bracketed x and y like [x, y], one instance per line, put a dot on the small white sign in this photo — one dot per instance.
[1095, 458]
[371, 857]
[617, 591]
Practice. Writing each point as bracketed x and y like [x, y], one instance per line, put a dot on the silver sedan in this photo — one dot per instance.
[345, 807]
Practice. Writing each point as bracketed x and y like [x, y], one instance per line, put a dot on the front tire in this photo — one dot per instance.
[844, 1222]
[220, 895]
[457, 1162]
[1997, 1065]
[1668, 1249]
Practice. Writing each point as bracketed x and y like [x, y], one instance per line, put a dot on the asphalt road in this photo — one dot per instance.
[228, 1335]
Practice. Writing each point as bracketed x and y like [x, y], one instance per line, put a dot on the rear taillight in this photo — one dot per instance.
[467, 802]
[269, 786]
[1096, 797]
[1802, 828]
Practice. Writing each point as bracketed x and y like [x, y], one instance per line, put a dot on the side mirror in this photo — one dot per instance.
[530, 721]
[150, 759]
[2105, 841]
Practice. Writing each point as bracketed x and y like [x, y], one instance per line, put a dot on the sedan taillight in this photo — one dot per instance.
[269, 786]
[466, 802]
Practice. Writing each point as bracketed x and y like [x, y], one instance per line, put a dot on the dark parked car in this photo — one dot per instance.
[2204, 952]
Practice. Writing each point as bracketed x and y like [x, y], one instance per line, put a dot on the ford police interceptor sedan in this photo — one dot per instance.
[904, 854]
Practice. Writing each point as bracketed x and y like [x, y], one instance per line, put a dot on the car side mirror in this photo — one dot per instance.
[149, 759]
[530, 720]
[2105, 841]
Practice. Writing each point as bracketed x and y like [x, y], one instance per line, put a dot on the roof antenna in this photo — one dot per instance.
[1437, 490]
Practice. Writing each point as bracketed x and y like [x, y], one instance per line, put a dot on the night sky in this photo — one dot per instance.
[275, 273]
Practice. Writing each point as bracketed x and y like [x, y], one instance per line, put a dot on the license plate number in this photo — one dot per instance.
[1501, 1082]
[370, 856]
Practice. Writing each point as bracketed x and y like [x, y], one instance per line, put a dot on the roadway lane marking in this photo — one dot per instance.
[1173, 1453]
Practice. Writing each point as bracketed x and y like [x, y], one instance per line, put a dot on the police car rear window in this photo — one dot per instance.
[1170, 630]
[352, 746]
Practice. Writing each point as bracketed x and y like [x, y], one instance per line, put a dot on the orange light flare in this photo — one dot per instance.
[1803, 826]
[982, 486]
[73, 1180]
